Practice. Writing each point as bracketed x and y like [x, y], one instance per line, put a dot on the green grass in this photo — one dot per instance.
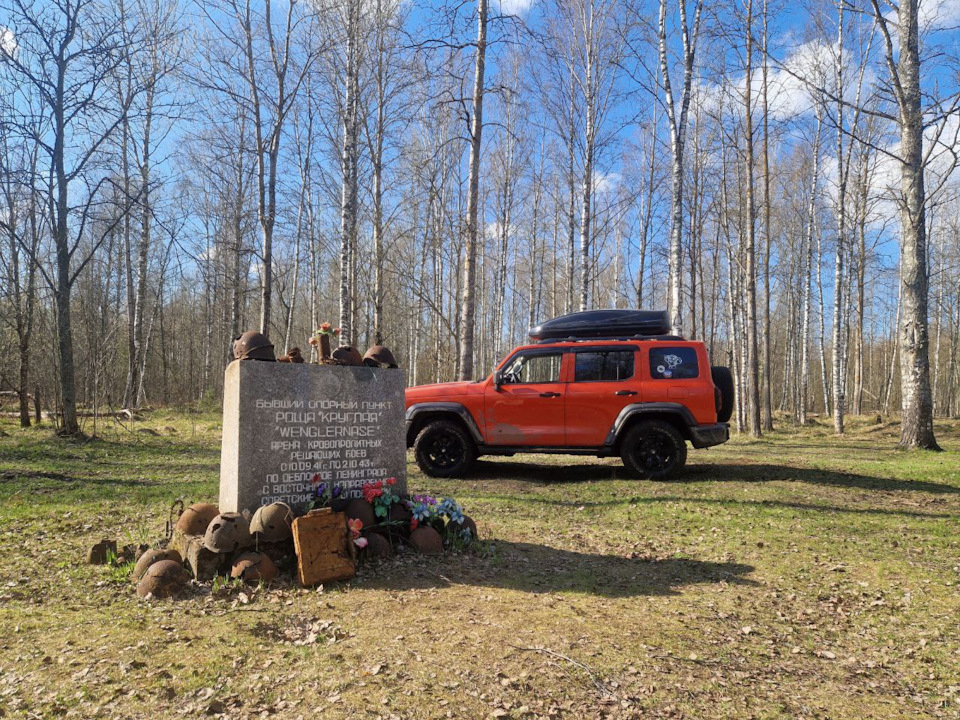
[800, 575]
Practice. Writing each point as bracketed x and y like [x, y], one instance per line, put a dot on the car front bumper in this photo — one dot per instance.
[704, 436]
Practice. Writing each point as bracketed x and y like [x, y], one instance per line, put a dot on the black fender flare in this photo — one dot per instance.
[652, 408]
[454, 408]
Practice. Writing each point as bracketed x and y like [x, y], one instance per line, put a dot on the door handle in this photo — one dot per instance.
[626, 392]
[549, 394]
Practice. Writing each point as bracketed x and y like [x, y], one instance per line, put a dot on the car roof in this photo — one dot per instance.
[589, 343]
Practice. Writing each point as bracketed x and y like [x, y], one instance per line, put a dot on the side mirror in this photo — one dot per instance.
[497, 380]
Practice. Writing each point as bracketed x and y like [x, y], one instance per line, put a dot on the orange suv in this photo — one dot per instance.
[603, 383]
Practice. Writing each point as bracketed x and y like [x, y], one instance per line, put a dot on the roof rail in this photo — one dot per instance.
[664, 338]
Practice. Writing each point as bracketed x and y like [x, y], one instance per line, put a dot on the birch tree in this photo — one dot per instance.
[677, 110]
[903, 65]
[468, 309]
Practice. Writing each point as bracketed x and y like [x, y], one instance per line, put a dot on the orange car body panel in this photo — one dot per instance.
[570, 413]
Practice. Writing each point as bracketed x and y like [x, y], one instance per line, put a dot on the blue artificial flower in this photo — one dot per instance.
[336, 491]
[451, 509]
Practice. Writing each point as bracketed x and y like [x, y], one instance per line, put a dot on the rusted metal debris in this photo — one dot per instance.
[294, 356]
[324, 550]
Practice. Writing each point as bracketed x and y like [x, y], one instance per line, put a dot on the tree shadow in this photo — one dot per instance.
[541, 569]
[749, 473]
[764, 472]
[727, 502]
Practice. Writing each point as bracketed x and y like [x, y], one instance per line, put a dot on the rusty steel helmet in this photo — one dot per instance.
[271, 523]
[378, 356]
[151, 558]
[227, 532]
[195, 518]
[252, 567]
[347, 355]
[165, 578]
[253, 345]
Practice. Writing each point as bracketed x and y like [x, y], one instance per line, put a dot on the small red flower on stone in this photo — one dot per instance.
[372, 490]
[391, 481]
[316, 479]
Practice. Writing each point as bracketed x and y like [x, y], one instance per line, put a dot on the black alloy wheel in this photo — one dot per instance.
[654, 450]
[443, 449]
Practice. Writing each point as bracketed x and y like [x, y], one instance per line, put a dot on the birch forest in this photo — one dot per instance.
[441, 176]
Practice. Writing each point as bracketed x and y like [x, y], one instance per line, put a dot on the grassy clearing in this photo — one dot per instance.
[795, 576]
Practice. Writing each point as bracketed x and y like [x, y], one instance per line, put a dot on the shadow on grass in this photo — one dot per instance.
[746, 473]
[541, 569]
[786, 473]
[26, 478]
[535, 472]
[722, 502]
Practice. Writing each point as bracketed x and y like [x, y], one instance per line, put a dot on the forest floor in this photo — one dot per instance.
[800, 575]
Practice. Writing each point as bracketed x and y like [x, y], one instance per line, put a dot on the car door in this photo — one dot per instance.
[603, 381]
[526, 406]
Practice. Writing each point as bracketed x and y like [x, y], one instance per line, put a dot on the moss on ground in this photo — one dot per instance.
[800, 575]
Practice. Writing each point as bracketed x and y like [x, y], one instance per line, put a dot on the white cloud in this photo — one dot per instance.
[791, 85]
[514, 7]
[938, 14]
[606, 182]
[8, 42]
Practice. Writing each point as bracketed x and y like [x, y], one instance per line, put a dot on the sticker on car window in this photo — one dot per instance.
[674, 363]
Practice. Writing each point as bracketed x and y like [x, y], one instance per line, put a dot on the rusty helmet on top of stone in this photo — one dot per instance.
[253, 345]
[272, 523]
[378, 356]
[196, 518]
[227, 532]
[347, 355]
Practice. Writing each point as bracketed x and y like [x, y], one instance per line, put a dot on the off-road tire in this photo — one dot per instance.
[653, 450]
[444, 449]
[723, 379]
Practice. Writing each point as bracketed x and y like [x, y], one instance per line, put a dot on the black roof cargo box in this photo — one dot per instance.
[603, 324]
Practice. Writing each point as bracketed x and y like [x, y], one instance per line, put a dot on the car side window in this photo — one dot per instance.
[674, 363]
[609, 366]
[532, 368]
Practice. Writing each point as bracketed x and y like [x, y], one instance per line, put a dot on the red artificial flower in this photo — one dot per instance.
[355, 525]
[316, 479]
[325, 327]
[413, 524]
[371, 493]
[336, 331]
[312, 341]
[391, 481]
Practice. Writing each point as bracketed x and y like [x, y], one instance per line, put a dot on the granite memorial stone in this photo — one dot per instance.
[285, 424]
